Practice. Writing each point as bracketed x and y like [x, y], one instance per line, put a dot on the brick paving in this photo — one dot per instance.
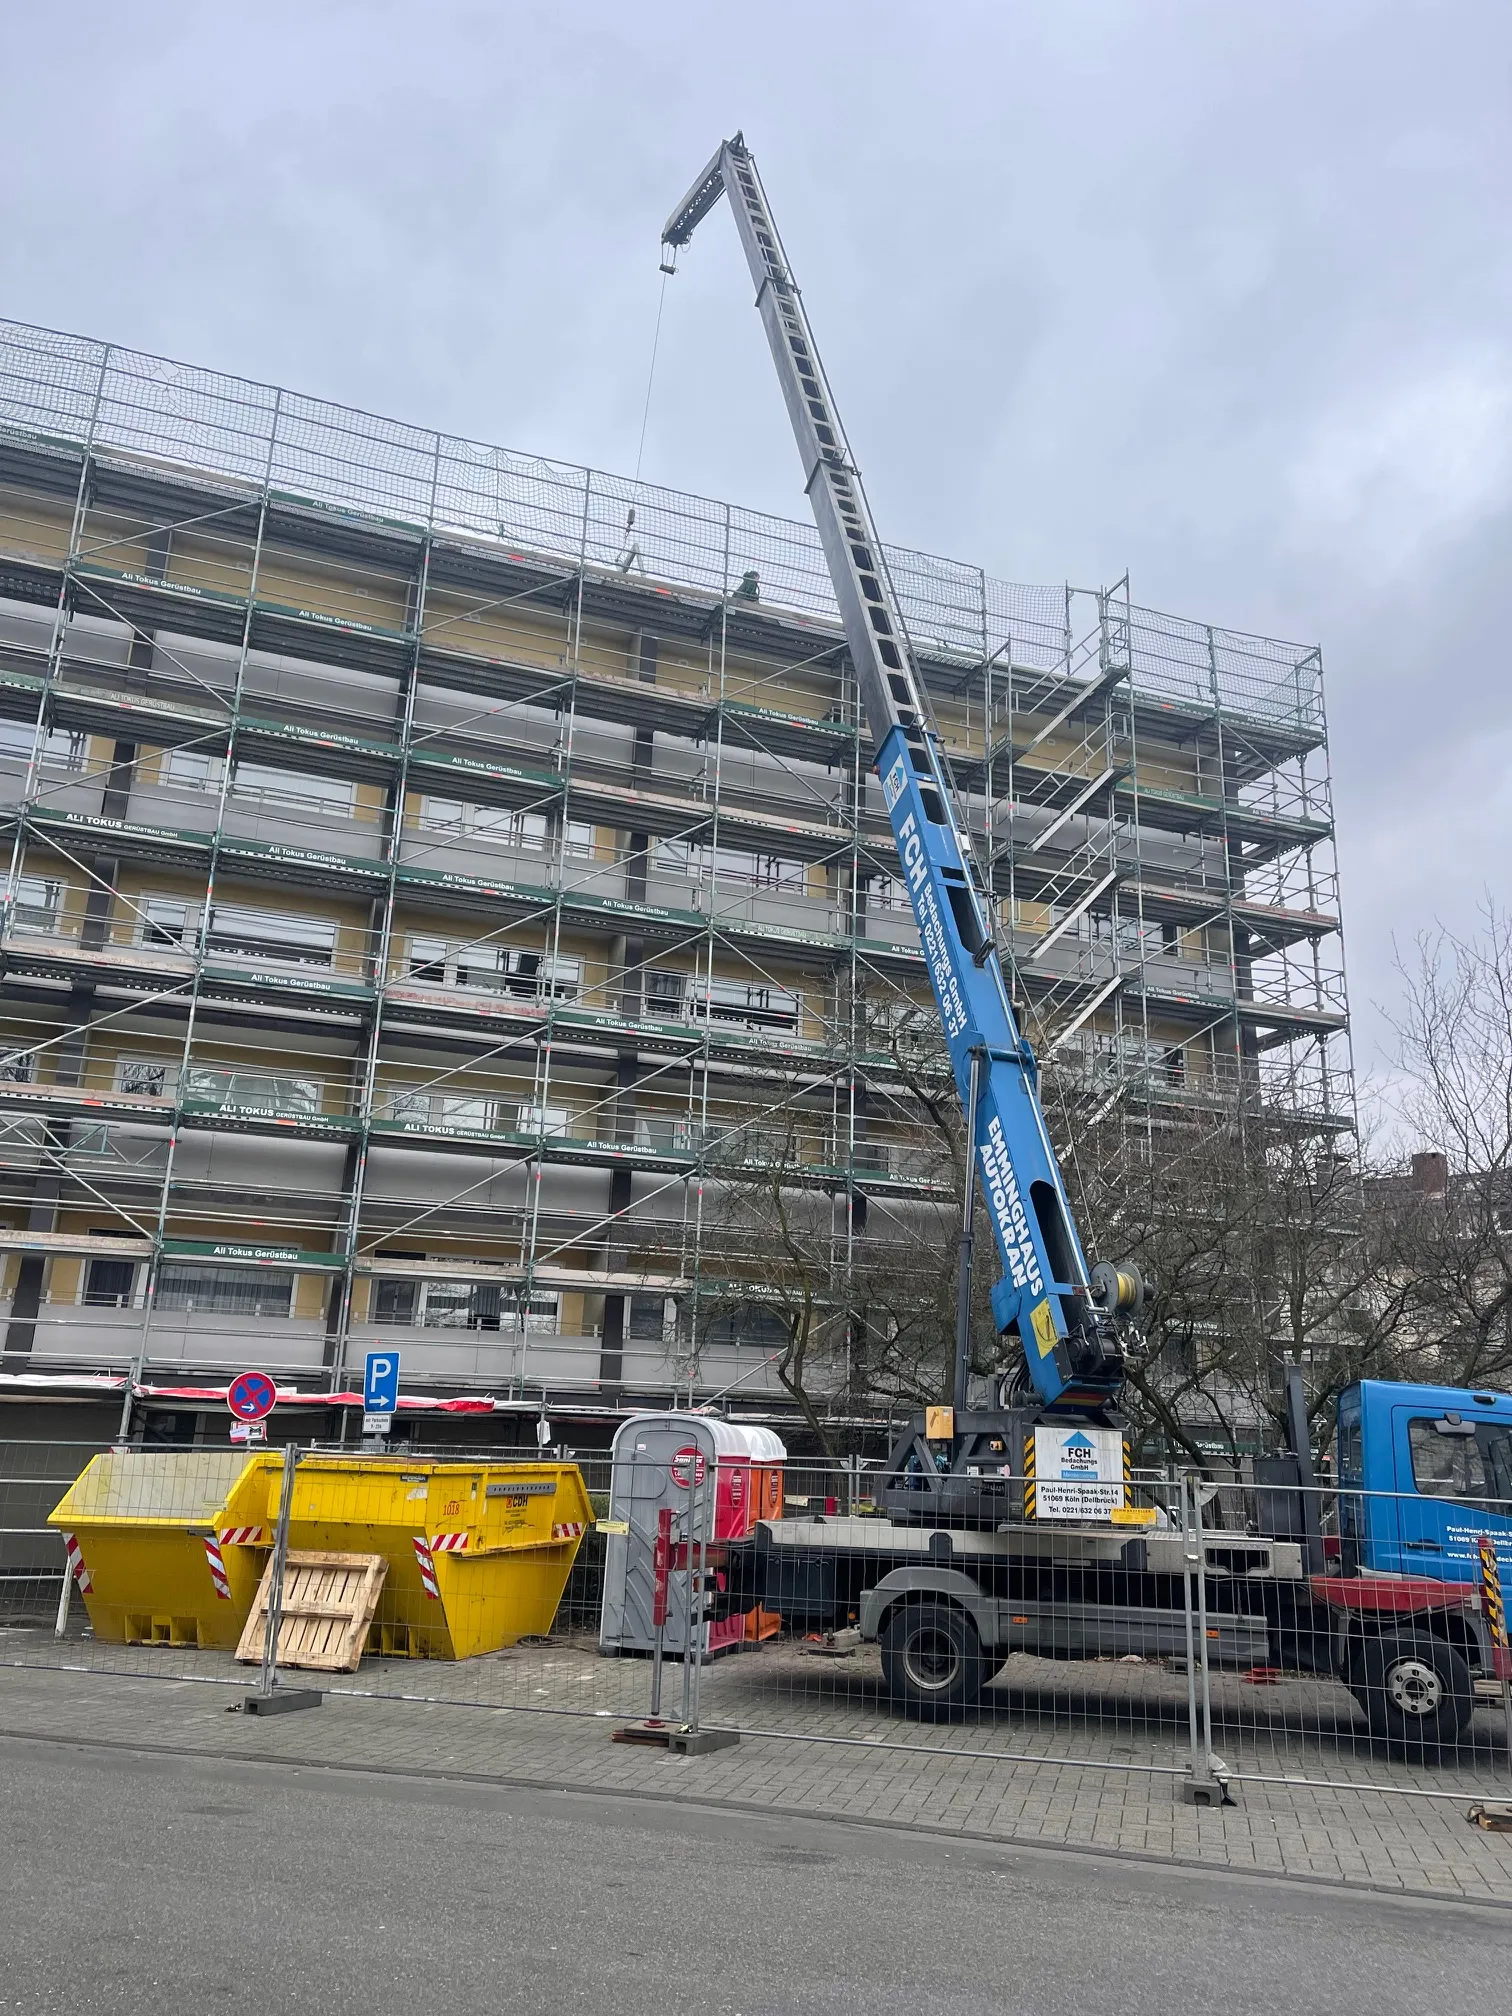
[835, 1750]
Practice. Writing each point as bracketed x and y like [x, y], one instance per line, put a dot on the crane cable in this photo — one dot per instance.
[661, 302]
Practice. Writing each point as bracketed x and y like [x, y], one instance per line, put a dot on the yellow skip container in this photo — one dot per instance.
[168, 1547]
[478, 1553]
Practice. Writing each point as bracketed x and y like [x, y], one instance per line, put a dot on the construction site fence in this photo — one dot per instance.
[504, 1584]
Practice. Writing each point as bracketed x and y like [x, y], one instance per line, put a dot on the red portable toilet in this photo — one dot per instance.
[749, 1479]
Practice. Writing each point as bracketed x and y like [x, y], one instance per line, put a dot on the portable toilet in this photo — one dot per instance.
[730, 1472]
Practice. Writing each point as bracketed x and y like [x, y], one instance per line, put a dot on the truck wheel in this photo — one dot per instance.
[1416, 1691]
[932, 1661]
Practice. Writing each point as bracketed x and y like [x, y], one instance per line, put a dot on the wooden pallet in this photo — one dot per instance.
[328, 1604]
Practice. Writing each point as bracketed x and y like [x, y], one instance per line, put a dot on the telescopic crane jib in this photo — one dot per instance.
[1070, 1320]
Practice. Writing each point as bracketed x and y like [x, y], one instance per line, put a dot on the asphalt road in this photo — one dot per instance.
[138, 1883]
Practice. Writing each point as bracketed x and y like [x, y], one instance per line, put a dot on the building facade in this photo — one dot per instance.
[438, 879]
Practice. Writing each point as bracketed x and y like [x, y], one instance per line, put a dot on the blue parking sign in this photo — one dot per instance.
[380, 1383]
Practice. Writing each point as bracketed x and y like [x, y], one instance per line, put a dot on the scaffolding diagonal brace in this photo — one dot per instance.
[1079, 909]
[1084, 1014]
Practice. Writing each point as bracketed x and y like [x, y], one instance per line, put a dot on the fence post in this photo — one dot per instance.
[1206, 1783]
[691, 1597]
[270, 1698]
[661, 1577]
[692, 1740]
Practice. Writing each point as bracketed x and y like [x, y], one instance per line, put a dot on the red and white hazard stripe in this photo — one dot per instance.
[217, 1568]
[569, 1529]
[244, 1536]
[448, 1543]
[76, 1566]
[427, 1566]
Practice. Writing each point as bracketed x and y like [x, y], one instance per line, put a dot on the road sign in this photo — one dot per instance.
[249, 1431]
[251, 1396]
[380, 1383]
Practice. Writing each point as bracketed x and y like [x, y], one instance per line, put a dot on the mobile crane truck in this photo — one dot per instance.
[1011, 1527]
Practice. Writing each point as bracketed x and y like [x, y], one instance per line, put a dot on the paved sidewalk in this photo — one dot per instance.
[1408, 1845]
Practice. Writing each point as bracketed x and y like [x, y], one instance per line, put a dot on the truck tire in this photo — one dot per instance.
[1415, 1690]
[932, 1661]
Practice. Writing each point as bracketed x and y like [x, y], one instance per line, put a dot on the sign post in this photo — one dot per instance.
[380, 1392]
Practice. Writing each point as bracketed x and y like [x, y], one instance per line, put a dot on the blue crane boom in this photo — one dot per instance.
[1065, 1315]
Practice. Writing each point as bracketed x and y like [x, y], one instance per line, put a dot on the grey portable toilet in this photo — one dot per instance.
[694, 1464]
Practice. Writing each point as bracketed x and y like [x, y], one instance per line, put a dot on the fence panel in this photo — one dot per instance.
[1382, 1680]
[1223, 1637]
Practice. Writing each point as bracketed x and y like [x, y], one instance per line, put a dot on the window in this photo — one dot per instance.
[545, 975]
[531, 975]
[38, 901]
[1352, 1454]
[581, 838]
[395, 1301]
[425, 1106]
[295, 789]
[700, 863]
[17, 1067]
[504, 824]
[664, 991]
[62, 748]
[427, 959]
[108, 1284]
[886, 892]
[265, 934]
[768, 871]
[164, 920]
[1471, 1462]
[464, 1305]
[651, 1319]
[143, 1075]
[465, 1109]
[458, 1305]
[664, 1135]
[545, 1120]
[198, 1288]
[257, 1091]
[1170, 942]
[749, 1328]
[683, 857]
[191, 769]
[751, 1003]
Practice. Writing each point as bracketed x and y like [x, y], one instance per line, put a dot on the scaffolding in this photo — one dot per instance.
[439, 879]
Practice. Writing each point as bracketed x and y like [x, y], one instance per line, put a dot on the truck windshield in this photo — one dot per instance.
[1475, 1468]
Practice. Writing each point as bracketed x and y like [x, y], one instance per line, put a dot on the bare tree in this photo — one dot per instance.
[1452, 1250]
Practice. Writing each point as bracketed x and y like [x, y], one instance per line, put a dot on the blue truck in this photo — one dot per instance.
[977, 1550]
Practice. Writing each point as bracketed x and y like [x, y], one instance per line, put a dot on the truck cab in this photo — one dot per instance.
[1423, 1472]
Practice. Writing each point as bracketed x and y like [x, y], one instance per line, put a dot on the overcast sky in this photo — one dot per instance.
[1217, 293]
